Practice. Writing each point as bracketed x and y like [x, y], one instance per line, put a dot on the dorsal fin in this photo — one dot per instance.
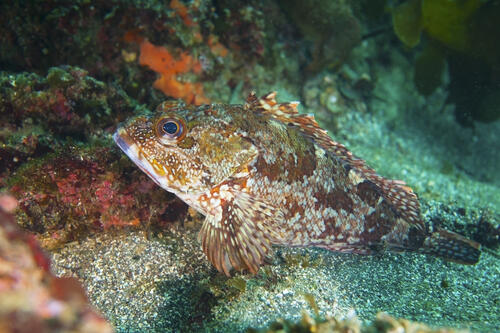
[252, 101]
[396, 192]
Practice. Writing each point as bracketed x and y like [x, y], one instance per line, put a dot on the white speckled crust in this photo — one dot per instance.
[263, 174]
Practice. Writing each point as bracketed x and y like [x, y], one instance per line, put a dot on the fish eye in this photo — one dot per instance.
[171, 128]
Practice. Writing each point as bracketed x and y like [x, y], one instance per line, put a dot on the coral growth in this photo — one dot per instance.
[243, 27]
[39, 113]
[332, 95]
[182, 11]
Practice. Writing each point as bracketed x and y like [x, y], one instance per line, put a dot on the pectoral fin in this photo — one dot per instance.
[239, 234]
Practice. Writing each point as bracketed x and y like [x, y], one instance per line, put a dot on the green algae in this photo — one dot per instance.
[445, 21]
[302, 261]
[407, 22]
[457, 31]
[429, 69]
[59, 78]
[238, 283]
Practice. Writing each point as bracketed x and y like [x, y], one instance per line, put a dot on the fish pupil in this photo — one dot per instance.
[170, 127]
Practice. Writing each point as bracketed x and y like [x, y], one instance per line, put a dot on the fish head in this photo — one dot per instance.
[187, 150]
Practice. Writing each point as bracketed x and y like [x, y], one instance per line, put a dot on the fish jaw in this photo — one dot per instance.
[126, 144]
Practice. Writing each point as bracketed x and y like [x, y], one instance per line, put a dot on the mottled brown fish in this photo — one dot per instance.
[265, 175]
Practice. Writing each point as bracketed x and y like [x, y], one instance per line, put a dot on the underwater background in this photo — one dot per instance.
[410, 86]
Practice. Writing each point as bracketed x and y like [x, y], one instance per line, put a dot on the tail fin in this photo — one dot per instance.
[452, 247]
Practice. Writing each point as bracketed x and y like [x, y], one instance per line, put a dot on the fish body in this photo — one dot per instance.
[263, 175]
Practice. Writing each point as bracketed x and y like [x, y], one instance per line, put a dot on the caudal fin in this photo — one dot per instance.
[451, 246]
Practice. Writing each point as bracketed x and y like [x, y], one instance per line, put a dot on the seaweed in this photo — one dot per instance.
[464, 31]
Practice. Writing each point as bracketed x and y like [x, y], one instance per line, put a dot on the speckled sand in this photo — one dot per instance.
[139, 285]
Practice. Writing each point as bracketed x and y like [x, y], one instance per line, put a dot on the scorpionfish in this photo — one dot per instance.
[262, 174]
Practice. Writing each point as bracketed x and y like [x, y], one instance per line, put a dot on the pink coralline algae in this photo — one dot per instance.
[74, 193]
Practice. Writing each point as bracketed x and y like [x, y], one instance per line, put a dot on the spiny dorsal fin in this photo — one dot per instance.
[395, 191]
[252, 101]
[268, 102]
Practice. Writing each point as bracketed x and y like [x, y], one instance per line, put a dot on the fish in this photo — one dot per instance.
[265, 175]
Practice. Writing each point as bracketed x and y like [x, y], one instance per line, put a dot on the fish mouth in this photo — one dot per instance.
[123, 140]
[130, 148]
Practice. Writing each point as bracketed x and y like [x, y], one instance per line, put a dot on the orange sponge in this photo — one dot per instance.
[160, 60]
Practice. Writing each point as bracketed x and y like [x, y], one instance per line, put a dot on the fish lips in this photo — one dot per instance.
[129, 147]
[123, 140]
